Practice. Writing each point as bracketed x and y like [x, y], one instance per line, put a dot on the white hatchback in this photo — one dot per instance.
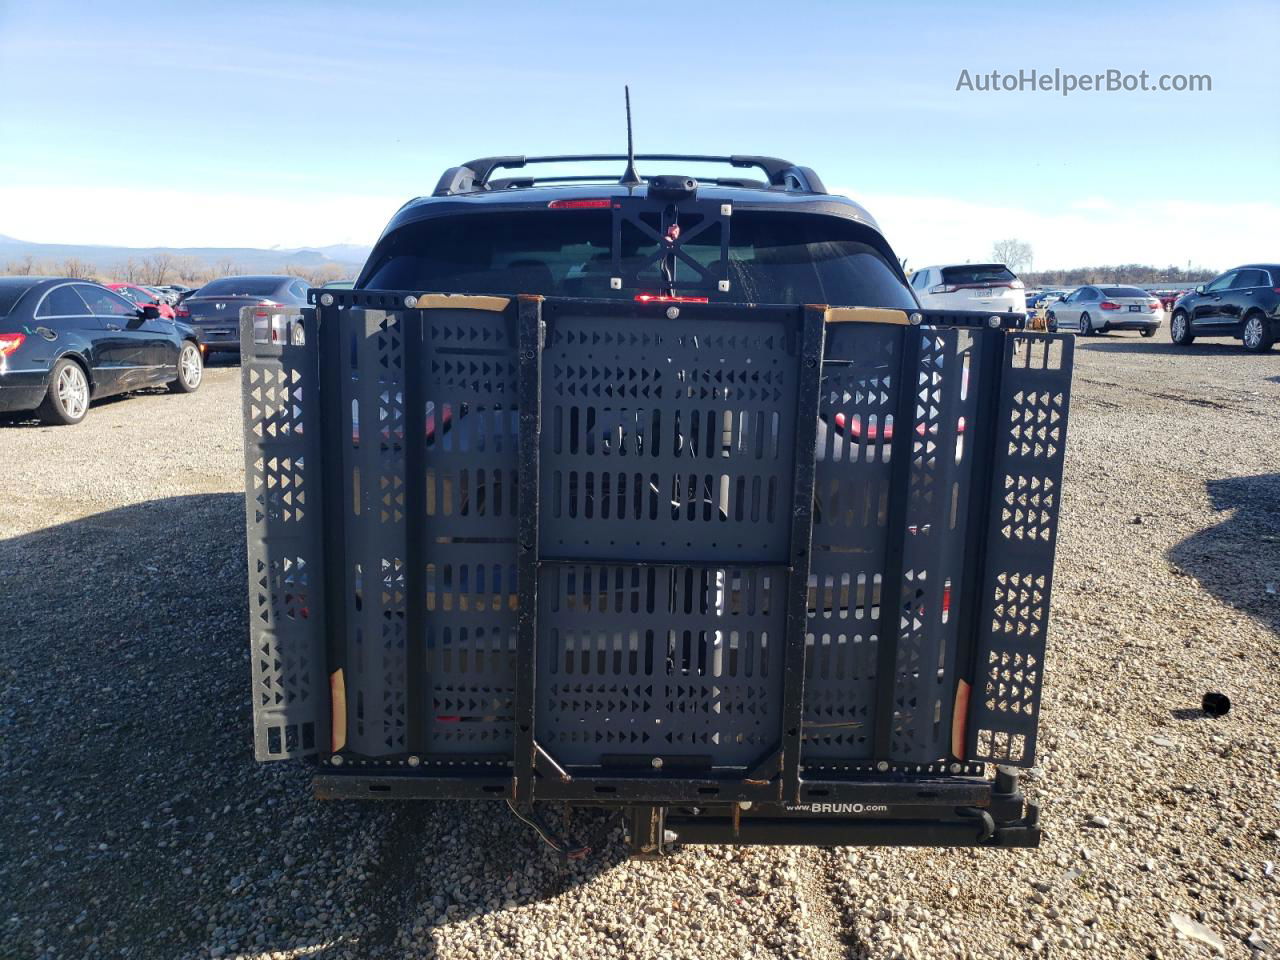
[990, 287]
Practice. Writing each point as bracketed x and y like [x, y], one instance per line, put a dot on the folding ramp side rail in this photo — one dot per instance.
[577, 550]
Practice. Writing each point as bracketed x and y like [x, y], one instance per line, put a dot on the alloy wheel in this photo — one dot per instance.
[189, 366]
[1253, 333]
[1179, 328]
[73, 391]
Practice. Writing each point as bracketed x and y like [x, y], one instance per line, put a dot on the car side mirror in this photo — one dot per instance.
[1200, 288]
[149, 312]
[1062, 299]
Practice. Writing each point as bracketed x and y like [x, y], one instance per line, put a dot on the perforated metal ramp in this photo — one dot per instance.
[571, 545]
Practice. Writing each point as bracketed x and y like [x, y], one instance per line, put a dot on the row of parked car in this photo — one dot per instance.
[1243, 303]
[65, 342]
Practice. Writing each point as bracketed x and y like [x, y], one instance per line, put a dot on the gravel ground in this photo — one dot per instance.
[136, 823]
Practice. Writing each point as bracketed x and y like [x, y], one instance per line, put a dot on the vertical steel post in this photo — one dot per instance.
[529, 392]
[983, 435]
[809, 391]
[335, 442]
[417, 689]
[896, 533]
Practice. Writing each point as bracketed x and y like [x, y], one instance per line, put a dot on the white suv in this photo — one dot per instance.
[970, 286]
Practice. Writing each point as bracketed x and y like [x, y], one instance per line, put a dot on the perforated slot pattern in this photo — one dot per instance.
[1017, 582]
[659, 661]
[374, 439]
[938, 475]
[470, 529]
[282, 501]
[859, 396]
[667, 439]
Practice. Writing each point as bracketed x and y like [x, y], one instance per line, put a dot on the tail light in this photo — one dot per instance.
[181, 311]
[1108, 305]
[1018, 285]
[658, 298]
[270, 303]
[1157, 305]
[10, 342]
[944, 288]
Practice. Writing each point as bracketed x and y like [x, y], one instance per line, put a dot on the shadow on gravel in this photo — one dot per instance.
[136, 823]
[1157, 348]
[1237, 558]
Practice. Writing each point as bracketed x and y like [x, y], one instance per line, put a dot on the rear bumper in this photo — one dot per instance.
[22, 390]
[932, 812]
[219, 335]
[1135, 324]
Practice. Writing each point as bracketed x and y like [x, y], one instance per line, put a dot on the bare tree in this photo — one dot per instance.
[131, 270]
[188, 269]
[1013, 253]
[157, 267]
[77, 268]
[22, 267]
[226, 268]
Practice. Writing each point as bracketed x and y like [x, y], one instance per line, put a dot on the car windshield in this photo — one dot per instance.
[977, 273]
[240, 287]
[10, 294]
[773, 258]
[1125, 292]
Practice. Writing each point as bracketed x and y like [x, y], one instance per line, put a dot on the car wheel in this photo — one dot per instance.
[190, 369]
[297, 334]
[1180, 330]
[67, 401]
[1257, 338]
[1148, 331]
[1086, 325]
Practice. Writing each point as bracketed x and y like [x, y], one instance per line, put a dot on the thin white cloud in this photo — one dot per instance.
[1097, 231]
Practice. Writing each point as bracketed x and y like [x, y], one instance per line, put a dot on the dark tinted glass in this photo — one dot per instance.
[1248, 278]
[240, 287]
[773, 258]
[104, 303]
[977, 273]
[10, 294]
[1125, 292]
[62, 302]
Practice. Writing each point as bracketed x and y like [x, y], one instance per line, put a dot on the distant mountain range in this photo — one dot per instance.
[251, 259]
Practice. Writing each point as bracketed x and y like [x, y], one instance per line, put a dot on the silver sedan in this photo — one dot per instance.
[1091, 310]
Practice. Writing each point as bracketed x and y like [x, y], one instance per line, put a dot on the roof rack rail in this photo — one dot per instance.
[475, 175]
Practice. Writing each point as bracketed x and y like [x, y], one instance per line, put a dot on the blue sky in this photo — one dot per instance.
[309, 123]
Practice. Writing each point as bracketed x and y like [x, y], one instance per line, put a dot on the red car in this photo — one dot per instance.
[142, 297]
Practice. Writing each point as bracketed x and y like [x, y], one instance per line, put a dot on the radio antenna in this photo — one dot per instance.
[629, 177]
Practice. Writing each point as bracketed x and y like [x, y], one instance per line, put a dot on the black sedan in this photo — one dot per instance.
[214, 309]
[65, 342]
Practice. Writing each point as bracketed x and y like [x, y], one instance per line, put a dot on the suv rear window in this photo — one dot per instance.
[240, 287]
[773, 258]
[978, 273]
[1125, 292]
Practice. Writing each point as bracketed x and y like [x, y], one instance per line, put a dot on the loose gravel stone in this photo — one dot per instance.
[125, 723]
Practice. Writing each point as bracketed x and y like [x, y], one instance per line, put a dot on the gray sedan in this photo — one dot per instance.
[1091, 310]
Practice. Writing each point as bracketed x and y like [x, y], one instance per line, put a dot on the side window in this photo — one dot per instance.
[1085, 294]
[298, 289]
[1222, 283]
[918, 279]
[62, 302]
[104, 303]
[1247, 279]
